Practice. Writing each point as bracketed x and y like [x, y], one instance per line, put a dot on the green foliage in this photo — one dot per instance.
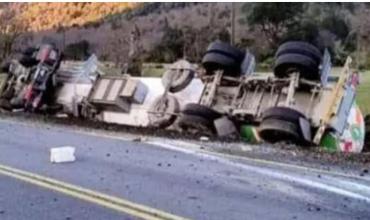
[170, 48]
[155, 8]
[326, 25]
[152, 71]
[365, 65]
[266, 65]
[336, 25]
[77, 51]
[362, 93]
[274, 19]
[185, 42]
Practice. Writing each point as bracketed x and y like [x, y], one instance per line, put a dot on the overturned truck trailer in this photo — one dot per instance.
[300, 102]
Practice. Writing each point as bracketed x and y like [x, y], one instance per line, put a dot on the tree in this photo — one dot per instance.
[134, 54]
[361, 29]
[10, 29]
[325, 25]
[274, 19]
[171, 46]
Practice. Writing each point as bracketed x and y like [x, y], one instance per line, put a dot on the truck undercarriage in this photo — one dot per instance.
[300, 102]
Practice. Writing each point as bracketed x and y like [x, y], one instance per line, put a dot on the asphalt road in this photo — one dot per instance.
[180, 181]
[19, 200]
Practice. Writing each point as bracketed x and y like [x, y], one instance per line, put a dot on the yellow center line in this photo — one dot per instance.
[111, 202]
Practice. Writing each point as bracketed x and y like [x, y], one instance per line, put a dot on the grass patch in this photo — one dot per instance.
[2, 78]
[152, 71]
[363, 93]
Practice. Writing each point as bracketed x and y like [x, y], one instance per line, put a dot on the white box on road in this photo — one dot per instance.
[62, 154]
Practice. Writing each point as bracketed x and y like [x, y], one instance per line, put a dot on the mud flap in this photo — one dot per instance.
[339, 122]
[305, 128]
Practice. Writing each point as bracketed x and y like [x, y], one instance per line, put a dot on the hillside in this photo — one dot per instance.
[44, 16]
[106, 27]
[108, 35]
[163, 32]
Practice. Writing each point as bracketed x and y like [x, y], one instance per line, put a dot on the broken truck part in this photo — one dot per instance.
[300, 102]
[29, 77]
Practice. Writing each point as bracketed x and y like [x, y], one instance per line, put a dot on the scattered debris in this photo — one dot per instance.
[140, 139]
[61, 115]
[204, 138]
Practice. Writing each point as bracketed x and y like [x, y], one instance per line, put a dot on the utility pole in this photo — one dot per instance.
[62, 30]
[232, 23]
[64, 38]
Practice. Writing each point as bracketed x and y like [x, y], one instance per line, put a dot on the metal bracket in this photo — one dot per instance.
[248, 65]
[335, 101]
[293, 84]
[209, 96]
[325, 68]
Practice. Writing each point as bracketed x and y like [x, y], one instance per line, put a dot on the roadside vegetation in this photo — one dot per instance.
[164, 32]
[363, 92]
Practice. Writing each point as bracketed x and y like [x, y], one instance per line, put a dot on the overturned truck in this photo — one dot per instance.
[300, 102]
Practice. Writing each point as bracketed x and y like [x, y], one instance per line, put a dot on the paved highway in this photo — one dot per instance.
[174, 180]
[19, 200]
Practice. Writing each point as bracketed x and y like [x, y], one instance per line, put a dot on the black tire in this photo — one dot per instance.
[282, 124]
[201, 110]
[4, 68]
[181, 85]
[288, 63]
[367, 119]
[275, 130]
[213, 61]
[5, 104]
[283, 113]
[367, 134]
[226, 49]
[7, 91]
[196, 124]
[180, 82]
[27, 61]
[29, 52]
[163, 120]
[300, 47]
